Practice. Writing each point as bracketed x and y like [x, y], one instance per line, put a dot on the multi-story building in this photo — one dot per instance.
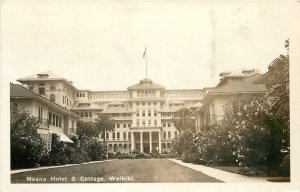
[232, 85]
[142, 114]
[52, 117]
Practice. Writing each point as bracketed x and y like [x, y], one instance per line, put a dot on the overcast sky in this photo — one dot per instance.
[99, 46]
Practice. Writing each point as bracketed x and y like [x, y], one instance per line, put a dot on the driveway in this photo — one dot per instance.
[117, 171]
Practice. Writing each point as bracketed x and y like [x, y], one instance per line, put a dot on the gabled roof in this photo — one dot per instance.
[46, 76]
[20, 92]
[146, 84]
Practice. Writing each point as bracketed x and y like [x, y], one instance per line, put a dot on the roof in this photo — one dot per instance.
[90, 106]
[116, 103]
[46, 76]
[20, 92]
[176, 102]
[196, 105]
[278, 61]
[235, 86]
[238, 86]
[146, 84]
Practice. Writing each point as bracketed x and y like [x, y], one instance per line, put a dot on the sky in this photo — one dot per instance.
[99, 46]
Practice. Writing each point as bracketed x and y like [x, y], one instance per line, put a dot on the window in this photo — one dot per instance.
[129, 125]
[169, 134]
[169, 124]
[129, 135]
[113, 136]
[59, 121]
[90, 114]
[155, 122]
[124, 135]
[137, 104]
[42, 75]
[56, 121]
[30, 87]
[149, 113]
[144, 123]
[143, 113]
[118, 125]
[107, 136]
[42, 89]
[49, 118]
[149, 123]
[164, 124]
[72, 125]
[52, 87]
[53, 120]
[143, 103]
[124, 125]
[52, 98]
[137, 112]
[118, 135]
[155, 112]
[40, 114]
[164, 135]
[86, 114]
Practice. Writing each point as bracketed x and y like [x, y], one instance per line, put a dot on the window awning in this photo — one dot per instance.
[62, 136]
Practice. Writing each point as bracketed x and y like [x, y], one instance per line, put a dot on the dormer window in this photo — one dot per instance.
[84, 104]
[42, 88]
[42, 75]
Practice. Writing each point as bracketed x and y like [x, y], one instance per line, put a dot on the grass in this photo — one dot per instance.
[247, 172]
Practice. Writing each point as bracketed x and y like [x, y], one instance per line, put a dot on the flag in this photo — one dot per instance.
[145, 52]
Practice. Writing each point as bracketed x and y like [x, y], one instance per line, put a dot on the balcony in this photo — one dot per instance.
[43, 123]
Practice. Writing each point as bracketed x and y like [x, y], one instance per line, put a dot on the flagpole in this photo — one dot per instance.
[146, 65]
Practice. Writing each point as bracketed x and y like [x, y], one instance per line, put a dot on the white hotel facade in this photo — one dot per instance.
[142, 114]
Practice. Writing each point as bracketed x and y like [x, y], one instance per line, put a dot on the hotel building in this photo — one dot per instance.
[142, 114]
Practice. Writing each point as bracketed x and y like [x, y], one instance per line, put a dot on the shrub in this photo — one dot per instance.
[27, 147]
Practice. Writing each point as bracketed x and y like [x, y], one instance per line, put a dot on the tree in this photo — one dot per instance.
[103, 124]
[86, 129]
[183, 121]
[27, 147]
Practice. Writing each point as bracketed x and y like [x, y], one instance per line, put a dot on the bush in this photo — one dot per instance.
[27, 147]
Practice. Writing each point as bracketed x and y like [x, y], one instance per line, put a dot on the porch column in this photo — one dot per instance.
[132, 141]
[159, 142]
[150, 140]
[141, 141]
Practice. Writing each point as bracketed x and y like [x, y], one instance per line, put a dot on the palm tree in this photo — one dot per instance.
[103, 124]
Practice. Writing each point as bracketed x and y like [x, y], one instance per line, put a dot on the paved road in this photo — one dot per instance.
[118, 171]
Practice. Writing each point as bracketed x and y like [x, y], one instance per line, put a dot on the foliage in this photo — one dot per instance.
[254, 132]
[214, 146]
[183, 146]
[86, 129]
[103, 124]
[61, 153]
[183, 121]
[95, 150]
[257, 134]
[27, 147]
